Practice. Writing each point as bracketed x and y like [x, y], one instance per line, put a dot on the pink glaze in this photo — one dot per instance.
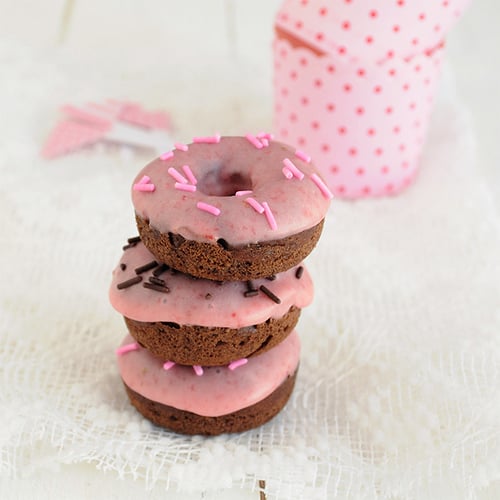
[220, 391]
[222, 169]
[203, 302]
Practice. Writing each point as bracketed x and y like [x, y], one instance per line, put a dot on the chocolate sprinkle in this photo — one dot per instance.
[146, 267]
[160, 270]
[251, 290]
[176, 240]
[130, 245]
[123, 266]
[130, 282]
[299, 272]
[134, 239]
[171, 324]
[223, 243]
[157, 288]
[262, 492]
[157, 281]
[271, 278]
[270, 294]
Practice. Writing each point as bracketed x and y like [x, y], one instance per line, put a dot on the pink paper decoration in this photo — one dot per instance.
[134, 114]
[112, 121]
[69, 136]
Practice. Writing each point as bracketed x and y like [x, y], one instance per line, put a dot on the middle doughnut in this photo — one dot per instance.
[203, 322]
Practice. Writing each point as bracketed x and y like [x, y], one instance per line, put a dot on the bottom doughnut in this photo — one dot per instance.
[185, 422]
[210, 400]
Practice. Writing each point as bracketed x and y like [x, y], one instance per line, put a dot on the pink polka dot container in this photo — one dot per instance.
[354, 86]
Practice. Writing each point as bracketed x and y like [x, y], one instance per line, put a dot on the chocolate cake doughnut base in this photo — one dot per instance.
[211, 346]
[220, 261]
[185, 422]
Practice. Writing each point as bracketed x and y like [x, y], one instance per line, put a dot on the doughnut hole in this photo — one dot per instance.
[219, 182]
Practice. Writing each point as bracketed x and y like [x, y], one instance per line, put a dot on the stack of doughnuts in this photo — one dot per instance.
[213, 286]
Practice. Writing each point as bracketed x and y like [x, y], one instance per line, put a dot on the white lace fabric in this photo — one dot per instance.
[397, 394]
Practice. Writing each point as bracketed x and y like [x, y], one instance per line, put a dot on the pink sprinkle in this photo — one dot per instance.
[127, 348]
[237, 363]
[198, 370]
[189, 174]
[243, 193]
[185, 187]
[182, 147]
[287, 173]
[144, 187]
[213, 139]
[253, 140]
[178, 177]
[269, 216]
[167, 155]
[302, 156]
[145, 180]
[295, 171]
[168, 364]
[322, 186]
[255, 205]
[265, 142]
[264, 135]
[208, 208]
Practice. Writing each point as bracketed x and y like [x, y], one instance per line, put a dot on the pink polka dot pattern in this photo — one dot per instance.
[356, 89]
[370, 29]
[364, 125]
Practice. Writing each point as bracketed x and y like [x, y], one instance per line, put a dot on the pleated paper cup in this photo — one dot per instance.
[363, 124]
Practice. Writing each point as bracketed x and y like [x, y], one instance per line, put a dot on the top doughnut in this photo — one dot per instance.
[230, 208]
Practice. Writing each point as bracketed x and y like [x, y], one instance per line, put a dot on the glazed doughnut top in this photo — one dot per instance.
[240, 189]
[203, 302]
